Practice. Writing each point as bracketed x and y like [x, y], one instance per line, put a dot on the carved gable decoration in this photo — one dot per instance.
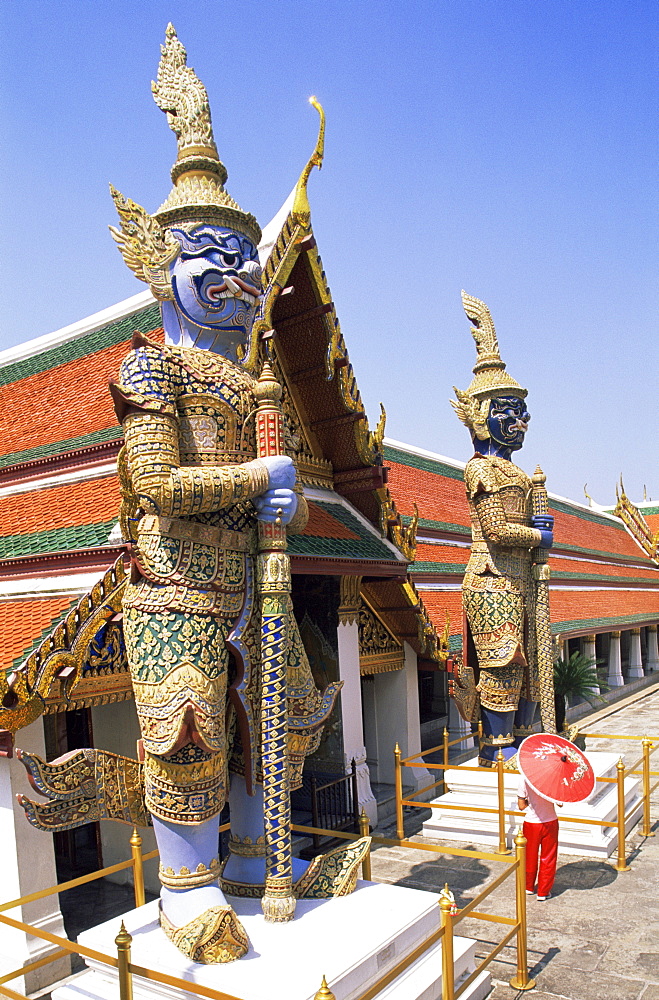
[81, 663]
[636, 525]
[379, 650]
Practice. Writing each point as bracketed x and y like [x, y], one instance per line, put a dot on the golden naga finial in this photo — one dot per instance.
[180, 93]
[490, 376]
[483, 332]
[198, 195]
[198, 175]
[301, 211]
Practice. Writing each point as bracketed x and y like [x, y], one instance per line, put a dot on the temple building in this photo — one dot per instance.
[376, 573]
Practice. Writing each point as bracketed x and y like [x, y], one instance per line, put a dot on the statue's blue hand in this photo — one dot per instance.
[281, 472]
[545, 522]
[275, 504]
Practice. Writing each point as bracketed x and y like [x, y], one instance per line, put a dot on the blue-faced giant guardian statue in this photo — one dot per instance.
[507, 667]
[207, 613]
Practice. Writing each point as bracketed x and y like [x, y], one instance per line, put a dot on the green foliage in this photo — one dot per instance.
[575, 678]
[578, 678]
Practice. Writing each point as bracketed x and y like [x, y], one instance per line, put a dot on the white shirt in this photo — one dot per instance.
[539, 809]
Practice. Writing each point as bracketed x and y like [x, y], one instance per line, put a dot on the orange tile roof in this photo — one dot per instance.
[89, 501]
[437, 497]
[442, 498]
[653, 522]
[599, 534]
[438, 603]
[441, 554]
[321, 524]
[598, 605]
[63, 402]
[568, 607]
[24, 621]
[583, 566]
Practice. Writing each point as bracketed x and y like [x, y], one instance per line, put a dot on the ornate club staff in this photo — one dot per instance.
[541, 574]
[274, 584]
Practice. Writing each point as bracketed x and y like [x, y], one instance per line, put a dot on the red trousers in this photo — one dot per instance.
[542, 840]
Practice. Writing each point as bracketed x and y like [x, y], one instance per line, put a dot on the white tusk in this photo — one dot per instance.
[233, 287]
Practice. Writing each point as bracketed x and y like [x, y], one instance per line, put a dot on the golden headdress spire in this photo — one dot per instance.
[490, 376]
[198, 174]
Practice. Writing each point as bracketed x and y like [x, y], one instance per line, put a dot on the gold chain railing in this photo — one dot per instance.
[649, 746]
[126, 969]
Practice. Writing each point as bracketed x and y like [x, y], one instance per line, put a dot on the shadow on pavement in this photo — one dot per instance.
[584, 874]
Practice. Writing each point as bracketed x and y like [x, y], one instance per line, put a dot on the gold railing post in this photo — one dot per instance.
[646, 830]
[138, 867]
[621, 864]
[398, 777]
[123, 941]
[364, 830]
[445, 749]
[480, 729]
[501, 804]
[521, 980]
[446, 910]
[324, 993]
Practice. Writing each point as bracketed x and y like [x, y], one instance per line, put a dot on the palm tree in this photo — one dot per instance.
[575, 677]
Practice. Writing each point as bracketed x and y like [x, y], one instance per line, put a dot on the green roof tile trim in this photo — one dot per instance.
[46, 632]
[602, 578]
[366, 546]
[55, 540]
[618, 556]
[426, 464]
[456, 569]
[461, 529]
[453, 569]
[61, 447]
[424, 522]
[144, 320]
[585, 515]
[615, 622]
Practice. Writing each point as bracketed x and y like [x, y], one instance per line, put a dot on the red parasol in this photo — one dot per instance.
[555, 768]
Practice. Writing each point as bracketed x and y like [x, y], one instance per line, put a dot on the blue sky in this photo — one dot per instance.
[507, 147]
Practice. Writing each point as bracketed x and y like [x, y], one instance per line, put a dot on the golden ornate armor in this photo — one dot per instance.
[189, 622]
[498, 591]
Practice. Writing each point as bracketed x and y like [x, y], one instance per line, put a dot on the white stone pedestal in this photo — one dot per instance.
[471, 788]
[353, 941]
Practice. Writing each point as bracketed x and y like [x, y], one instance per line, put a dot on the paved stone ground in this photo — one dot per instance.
[597, 938]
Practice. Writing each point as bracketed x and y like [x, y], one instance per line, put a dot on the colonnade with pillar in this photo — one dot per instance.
[629, 654]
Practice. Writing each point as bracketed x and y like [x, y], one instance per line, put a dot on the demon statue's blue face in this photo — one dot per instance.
[216, 280]
[508, 422]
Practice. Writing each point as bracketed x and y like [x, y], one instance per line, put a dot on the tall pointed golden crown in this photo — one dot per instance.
[198, 174]
[490, 376]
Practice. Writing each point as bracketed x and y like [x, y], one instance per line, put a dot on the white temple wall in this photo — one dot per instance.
[392, 716]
